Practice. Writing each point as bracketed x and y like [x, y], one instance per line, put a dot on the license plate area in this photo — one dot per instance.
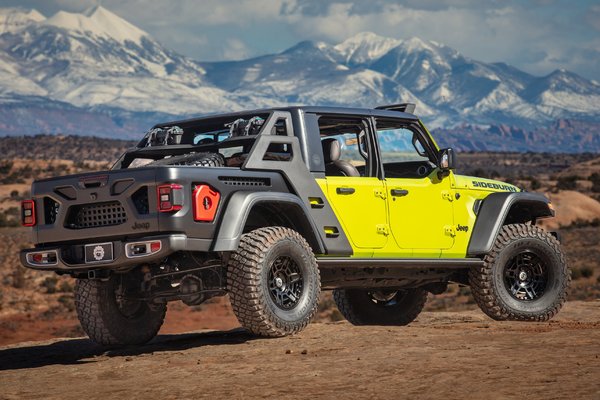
[98, 253]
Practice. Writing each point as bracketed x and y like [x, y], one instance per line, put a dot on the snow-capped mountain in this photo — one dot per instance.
[101, 66]
[97, 59]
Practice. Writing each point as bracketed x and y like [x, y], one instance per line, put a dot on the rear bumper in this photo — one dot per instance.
[67, 259]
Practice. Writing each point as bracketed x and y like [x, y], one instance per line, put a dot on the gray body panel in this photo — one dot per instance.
[225, 180]
[239, 207]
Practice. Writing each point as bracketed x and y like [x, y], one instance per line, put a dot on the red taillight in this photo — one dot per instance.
[170, 197]
[206, 201]
[28, 213]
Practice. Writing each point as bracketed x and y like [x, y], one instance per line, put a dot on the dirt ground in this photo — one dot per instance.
[441, 355]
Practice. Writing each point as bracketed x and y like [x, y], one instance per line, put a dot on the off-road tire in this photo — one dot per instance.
[104, 323]
[359, 307]
[248, 281]
[488, 283]
[194, 159]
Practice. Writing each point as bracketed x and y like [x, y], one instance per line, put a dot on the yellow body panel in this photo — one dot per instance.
[470, 190]
[362, 213]
[421, 219]
[435, 219]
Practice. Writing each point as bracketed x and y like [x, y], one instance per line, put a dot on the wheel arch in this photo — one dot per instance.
[499, 209]
[250, 210]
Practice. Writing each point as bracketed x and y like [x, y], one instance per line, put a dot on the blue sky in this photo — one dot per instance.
[537, 36]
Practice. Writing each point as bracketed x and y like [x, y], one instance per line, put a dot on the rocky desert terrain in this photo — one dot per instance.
[451, 350]
[441, 355]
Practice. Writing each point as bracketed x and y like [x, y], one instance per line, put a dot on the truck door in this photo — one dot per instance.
[419, 201]
[353, 190]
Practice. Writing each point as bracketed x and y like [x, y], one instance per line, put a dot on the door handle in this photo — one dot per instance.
[344, 190]
[399, 192]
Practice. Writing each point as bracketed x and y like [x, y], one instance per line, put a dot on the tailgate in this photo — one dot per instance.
[95, 205]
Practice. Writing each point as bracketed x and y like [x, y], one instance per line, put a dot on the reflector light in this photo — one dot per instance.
[142, 249]
[43, 257]
[28, 213]
[154, 247]
[205, 203]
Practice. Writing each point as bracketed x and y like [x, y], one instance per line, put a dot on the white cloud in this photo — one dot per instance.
[235, 49]
[537, 36]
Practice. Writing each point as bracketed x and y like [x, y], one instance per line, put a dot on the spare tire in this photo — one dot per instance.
[195, 159]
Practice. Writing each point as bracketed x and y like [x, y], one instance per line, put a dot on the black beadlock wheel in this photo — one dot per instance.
[111, 319]
[273, 282]
[380, 306]
[524, 278]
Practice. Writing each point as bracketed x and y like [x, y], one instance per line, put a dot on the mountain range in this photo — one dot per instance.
[95, 73]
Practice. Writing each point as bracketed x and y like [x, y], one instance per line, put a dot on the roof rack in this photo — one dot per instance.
[402, 107]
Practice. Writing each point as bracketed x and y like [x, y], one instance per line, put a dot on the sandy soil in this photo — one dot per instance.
[441, 355]
[35, 326]
[571, 206]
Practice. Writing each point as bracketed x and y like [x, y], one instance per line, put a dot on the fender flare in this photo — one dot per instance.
[238, 209]
[493, 212]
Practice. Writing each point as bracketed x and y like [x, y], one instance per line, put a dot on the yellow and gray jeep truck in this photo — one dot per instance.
[272, 206]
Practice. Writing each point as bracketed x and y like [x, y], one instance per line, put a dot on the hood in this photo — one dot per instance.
[488, 185]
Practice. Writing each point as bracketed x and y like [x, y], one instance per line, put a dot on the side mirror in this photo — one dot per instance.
[446, 160]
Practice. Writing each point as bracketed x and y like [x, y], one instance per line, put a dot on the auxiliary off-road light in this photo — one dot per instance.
[43, 258]
[205, 202]
[141, 249]
[28, 213]
[170, 197]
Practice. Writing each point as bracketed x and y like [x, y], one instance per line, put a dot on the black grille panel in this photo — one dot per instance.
[51, 208]
[140, 200]
[96, 215]
[245, 181]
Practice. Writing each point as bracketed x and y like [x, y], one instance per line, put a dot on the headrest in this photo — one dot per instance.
[331, 149]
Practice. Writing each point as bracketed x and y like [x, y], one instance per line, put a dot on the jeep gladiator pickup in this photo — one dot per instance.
[271, 206]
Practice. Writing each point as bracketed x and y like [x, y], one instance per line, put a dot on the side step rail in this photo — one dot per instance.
[450, 263]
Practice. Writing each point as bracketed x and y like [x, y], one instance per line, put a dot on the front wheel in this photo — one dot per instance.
[525, 277]
[380, 306]
[109, 315]
[273, 282]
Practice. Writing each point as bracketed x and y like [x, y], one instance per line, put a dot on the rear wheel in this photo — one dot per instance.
[273, 282]
[380, 306]
[110, 316]
[525, 276]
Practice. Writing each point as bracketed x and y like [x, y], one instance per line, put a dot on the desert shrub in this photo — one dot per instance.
[18, 278]
[567, 182]
[50, 284]
[67, 301]
[484, 173]
[583, 272]
[535, 184]
[5, 167]
[464, 291]
[6, 220]
[65, 287]
[587, 272]
[595, 178]
[584, 223]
